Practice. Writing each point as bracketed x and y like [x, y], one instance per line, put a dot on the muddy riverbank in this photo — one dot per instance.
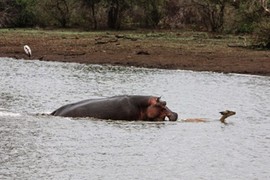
[167, 50]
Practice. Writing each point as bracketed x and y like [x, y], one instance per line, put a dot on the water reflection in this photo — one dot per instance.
[135, 125]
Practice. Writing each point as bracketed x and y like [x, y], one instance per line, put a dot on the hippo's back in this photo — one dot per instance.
[117, 107]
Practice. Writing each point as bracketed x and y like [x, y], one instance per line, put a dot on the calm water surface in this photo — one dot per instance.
[43, 147]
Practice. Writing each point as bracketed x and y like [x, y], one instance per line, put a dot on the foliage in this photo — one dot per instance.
[26, 16]
[116, 10]
[92, 6]
[60, 10]
[210, 15]
[262, 33]
[153, 12]
[248, 15]
[8, 12]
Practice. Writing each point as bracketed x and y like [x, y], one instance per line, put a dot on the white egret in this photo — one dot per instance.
[27, 50]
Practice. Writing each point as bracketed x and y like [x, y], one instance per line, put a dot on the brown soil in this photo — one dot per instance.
[167, 50]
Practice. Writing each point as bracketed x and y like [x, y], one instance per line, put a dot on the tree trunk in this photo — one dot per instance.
[113, 15]
[94, 15]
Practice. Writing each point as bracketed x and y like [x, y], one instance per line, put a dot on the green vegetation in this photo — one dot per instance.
[221, 16]
[176, 38]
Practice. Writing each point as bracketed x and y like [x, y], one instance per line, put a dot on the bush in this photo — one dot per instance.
[262, 34]
[25, 16]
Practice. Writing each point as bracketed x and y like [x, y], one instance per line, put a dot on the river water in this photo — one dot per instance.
[34, 146]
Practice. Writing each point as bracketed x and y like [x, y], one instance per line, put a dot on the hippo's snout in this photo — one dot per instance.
[173, 116]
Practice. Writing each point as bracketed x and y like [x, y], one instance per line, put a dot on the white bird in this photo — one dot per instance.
[27, 50]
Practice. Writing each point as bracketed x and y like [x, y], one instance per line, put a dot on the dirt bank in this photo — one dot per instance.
[168, 50]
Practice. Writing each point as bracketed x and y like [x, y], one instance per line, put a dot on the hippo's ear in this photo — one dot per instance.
[163, 103]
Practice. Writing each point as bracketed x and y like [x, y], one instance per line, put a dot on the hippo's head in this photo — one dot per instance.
[158, 111]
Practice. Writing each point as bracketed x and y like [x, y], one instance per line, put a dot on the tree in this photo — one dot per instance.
[153, 11]
[262, 3]
[179, 13]
[116, 10]
[212, 12]
[262, 34]
[60, 10]
[249, 14]
[26, 16]
[8, 12]
[91, 4]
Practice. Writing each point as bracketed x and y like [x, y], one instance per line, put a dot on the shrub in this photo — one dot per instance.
[262, 34]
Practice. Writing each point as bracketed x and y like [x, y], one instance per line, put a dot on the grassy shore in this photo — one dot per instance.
[186, 50]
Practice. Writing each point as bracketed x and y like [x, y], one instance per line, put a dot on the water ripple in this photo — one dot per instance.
[45, 147]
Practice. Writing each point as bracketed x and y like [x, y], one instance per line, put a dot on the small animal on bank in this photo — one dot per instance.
[125, 107]
[225, 114]
[27, 50]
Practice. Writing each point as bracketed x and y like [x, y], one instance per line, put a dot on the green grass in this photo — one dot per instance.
[176, 39]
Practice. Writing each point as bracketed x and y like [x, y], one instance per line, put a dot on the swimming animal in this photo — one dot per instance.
[225, 114]
[125, 107]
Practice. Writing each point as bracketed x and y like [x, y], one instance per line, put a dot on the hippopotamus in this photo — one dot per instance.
[125, 107]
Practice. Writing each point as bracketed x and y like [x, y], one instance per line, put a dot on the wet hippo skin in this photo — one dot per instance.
[125, 107]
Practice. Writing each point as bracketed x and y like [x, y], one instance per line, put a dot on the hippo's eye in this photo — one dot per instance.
[163, 103]
[160, 107]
